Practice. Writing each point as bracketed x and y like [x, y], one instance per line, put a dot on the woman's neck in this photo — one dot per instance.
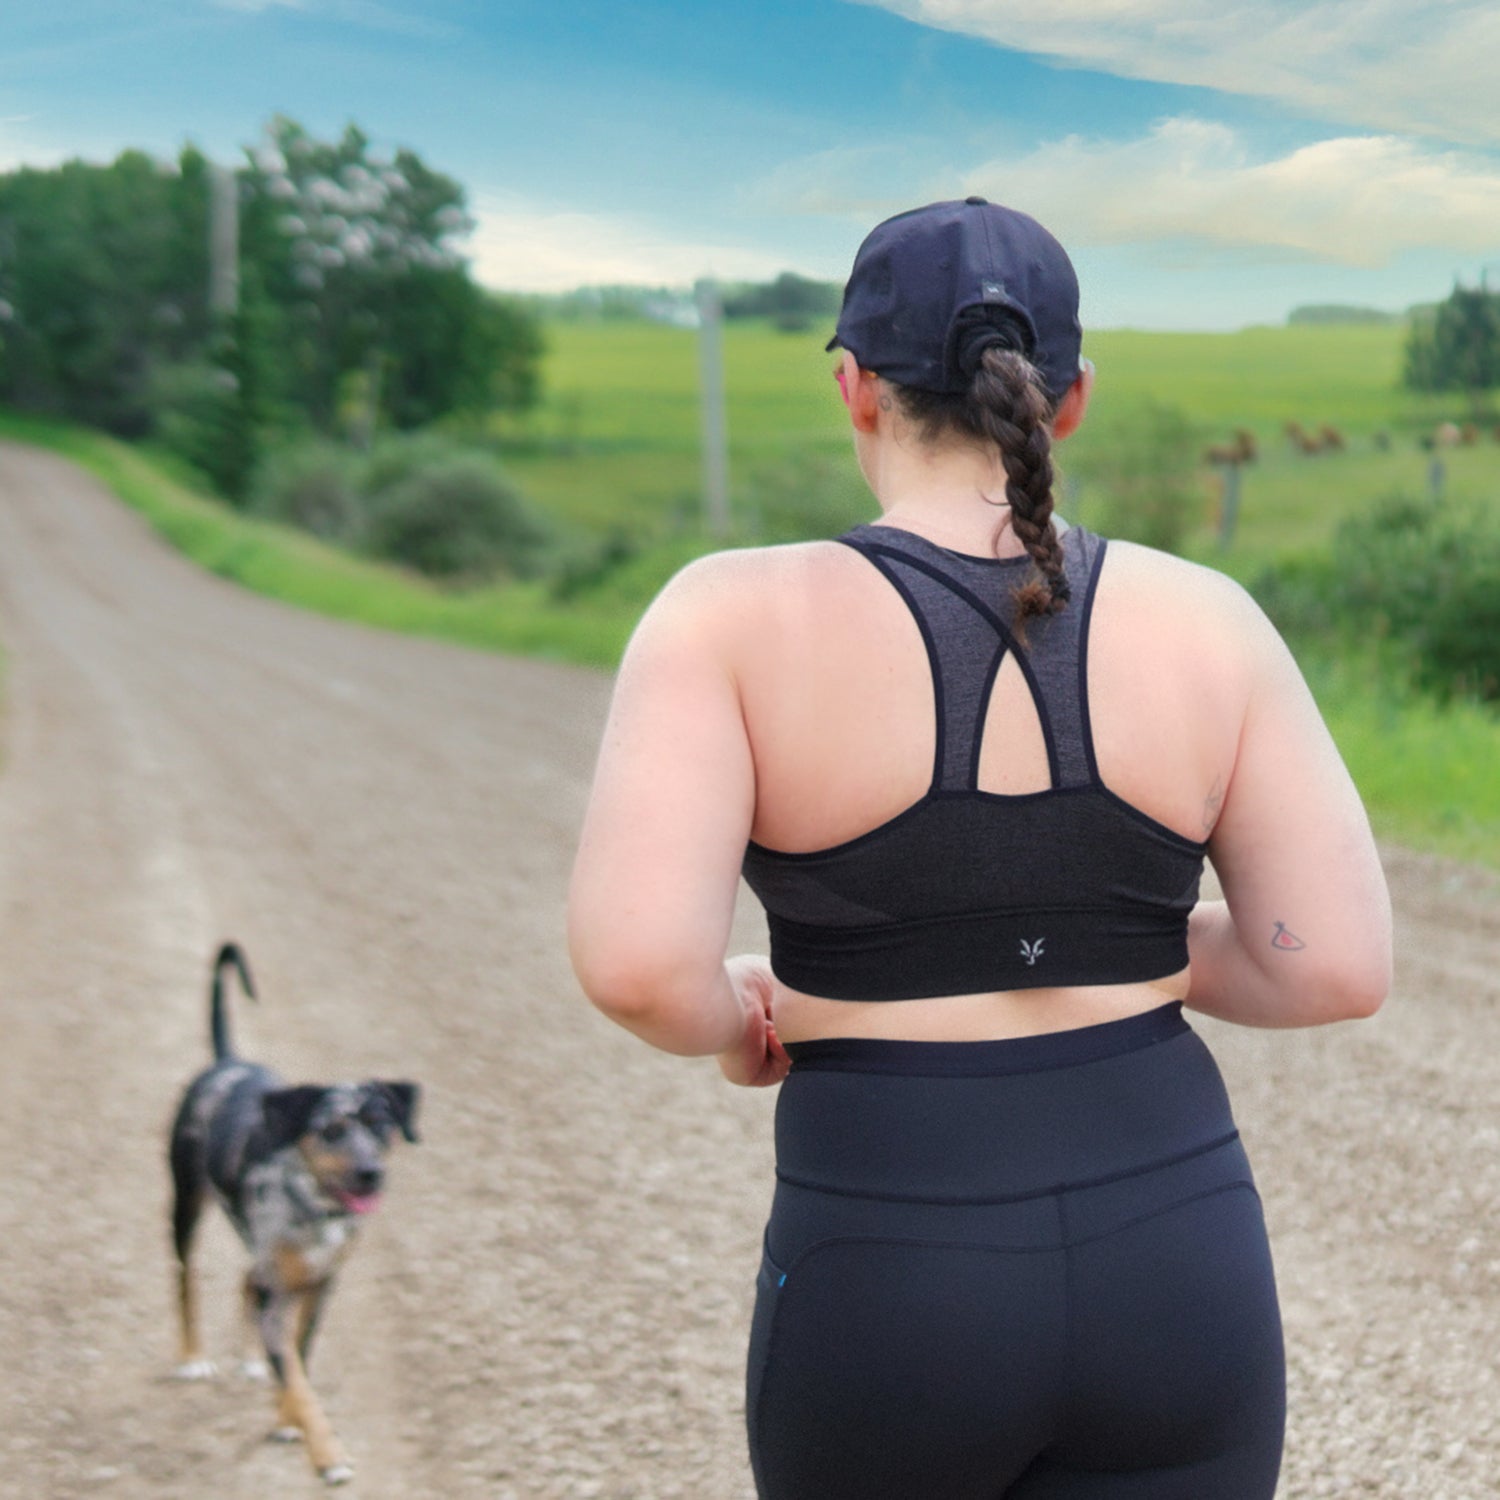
[954, 497]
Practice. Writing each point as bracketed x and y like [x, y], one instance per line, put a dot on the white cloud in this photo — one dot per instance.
[1354, 200]
[1411, 66]
[521, 248]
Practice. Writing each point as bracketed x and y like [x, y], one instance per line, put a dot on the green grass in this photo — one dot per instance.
[1262, 378]
[1426, 772]
[614, 448]
[289, 565]
[615, 443]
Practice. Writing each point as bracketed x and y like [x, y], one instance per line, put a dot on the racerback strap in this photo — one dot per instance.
[965, 609]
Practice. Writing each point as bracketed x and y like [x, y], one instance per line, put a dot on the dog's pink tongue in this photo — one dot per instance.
[360, 1203]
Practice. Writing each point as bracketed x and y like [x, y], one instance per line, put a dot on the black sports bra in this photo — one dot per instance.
[968, 891]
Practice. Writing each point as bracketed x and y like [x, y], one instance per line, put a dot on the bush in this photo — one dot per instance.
[315, 485]
[1428, 576]
[1145, 463]
[416, 500]
[457, 517]
[1422, 580]
[398, 457]
[585, 570]
[802, 497]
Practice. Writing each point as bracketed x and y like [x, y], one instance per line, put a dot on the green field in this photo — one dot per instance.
[613, 449]
[615, 443]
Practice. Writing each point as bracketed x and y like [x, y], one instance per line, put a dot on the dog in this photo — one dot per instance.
[295, 1169]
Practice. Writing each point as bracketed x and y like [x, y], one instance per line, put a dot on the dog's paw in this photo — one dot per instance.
[338, 1474]
[195, 1369]
[288, 1434]
[255, 1369]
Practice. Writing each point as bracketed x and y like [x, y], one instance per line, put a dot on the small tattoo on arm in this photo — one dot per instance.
[1211, 805]
[1287, 941]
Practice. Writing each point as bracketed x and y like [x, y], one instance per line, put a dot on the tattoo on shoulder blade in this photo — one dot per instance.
[1287, 941]
[1211, 805]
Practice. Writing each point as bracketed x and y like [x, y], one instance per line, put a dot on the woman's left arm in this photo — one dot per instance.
[658, 864]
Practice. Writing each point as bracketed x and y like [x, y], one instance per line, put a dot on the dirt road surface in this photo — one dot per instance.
[553, 1301]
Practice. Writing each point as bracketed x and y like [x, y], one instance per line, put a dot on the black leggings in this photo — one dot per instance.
[1031, 1269]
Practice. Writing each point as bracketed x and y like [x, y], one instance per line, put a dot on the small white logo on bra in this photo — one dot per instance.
[1032, 951]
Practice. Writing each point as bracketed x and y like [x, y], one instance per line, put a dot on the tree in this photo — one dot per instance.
[355, 307]
[792, 302]
[103, 280]
[455, 347]
[1457, 345]
[357, 251]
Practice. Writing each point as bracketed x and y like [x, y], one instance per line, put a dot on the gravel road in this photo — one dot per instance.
[553, 1301]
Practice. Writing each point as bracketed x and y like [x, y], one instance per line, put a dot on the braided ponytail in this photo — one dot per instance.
[1007, 405]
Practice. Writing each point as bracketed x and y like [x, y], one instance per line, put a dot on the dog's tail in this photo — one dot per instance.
[217, 1021]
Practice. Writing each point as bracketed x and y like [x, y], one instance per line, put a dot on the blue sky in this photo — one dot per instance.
[1209, 166]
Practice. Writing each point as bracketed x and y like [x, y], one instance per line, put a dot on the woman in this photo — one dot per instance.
[971, 761]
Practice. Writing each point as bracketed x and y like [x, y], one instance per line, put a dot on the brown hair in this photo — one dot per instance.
[1006, 404]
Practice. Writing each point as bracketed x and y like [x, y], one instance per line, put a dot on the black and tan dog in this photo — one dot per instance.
[294, 1169]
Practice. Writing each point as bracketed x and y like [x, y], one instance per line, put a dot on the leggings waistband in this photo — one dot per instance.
[993, 1120]
[990, 1059]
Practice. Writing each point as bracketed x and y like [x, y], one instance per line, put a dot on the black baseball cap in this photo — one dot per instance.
[919, 276]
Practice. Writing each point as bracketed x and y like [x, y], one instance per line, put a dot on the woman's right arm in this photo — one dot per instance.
[1303, 935]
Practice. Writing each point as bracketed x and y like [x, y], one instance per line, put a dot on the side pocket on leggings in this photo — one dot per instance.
[769, 1281]
[770, 1278]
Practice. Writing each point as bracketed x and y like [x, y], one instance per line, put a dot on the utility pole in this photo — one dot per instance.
[1229, 514]
[223, 243]
[711, 397]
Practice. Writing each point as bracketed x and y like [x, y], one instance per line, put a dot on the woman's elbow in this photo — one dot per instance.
[621, 990]
[1365, 996]
[637, 990]
[1356, 988]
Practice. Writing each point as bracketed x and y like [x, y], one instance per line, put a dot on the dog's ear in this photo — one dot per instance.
[402, 1098]
[287, 1112]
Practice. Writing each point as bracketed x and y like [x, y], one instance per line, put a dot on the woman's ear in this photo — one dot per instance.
[861, 394]
[1075, 403]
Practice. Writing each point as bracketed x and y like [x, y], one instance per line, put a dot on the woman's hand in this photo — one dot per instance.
[759, 1059]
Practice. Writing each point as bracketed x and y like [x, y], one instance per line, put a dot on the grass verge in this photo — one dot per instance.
[291, 566]
[1426, 770]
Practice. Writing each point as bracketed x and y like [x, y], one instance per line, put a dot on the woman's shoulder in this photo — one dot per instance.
[1176, 584]
[723, 597]
[1183, 609]
[720, 581]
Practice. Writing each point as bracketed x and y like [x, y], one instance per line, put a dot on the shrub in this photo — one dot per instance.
[315, 485]
[584, 570]
[801, 497]
[398, 457]
[1428, 576]
[1144, 461]
[1419, 579]
[1461, 638]
[456, 517]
